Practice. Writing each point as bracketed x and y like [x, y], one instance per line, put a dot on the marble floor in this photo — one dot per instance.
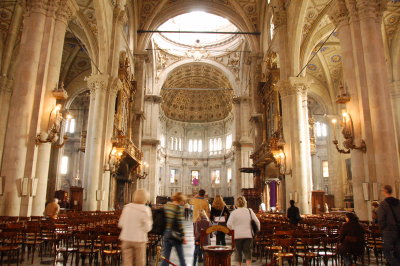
[188, 250]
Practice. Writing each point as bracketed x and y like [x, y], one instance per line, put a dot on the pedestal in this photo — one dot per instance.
[217, 255]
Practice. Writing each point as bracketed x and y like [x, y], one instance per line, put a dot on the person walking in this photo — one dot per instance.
[52, 209]
[293, 213]
[389, 222]
[135, 222]
[375, 206]
[200, 203]
[187, 211]
[201, 224]
[174, 234]
[219, 214]
[240, 221]
[351, 239]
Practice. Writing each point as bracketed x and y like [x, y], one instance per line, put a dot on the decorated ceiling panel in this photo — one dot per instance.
[315, 7]
[197, 75]
[196, 105]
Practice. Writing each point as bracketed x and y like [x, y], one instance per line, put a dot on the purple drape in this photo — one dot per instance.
[272, 194]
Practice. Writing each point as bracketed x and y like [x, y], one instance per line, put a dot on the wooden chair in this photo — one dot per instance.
[217, 255]
[32, 240]
[287, 250]
[310, 251]
[85, 245]
[9, 246]
[110, 251]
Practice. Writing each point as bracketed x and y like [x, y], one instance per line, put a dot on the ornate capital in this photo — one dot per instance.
[97, 82]
[66, 10]
[152, 98]
[371, 9]
[280, 14]
[339, 13]
[293, 86]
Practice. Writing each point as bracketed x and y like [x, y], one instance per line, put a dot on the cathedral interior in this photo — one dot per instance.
[276, 100]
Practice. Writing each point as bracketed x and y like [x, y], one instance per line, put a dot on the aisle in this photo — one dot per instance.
[188, 249]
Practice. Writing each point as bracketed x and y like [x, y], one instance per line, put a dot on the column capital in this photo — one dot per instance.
[293, 86]
[66, 10]
[371, 9]
[280, 14]
[339, 13]
[152, 98]
[97, 82]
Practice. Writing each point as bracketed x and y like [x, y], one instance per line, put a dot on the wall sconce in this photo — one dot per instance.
[55, 128]
[145, 171]
[348, 134]
[114, 159]
[280, 161]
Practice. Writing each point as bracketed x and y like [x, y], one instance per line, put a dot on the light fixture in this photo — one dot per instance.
[55, 128]
[348, 134]
[145, 170]
[114, 159]
[280, 161]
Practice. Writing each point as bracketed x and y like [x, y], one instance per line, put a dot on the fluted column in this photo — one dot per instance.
[297, 149]
[20, 138]
[365, 73]
[50, 79]
[395, 93]
[5, 75]
[94, 155]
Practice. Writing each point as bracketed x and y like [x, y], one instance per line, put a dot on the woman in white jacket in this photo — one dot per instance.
[240, 221]
[135, 221]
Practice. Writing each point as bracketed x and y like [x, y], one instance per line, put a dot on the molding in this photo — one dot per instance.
[150, 142]
[153, 98]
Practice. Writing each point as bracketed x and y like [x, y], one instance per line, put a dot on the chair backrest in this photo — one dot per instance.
[215, 228]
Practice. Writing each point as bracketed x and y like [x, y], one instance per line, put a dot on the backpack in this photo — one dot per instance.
[159, 222]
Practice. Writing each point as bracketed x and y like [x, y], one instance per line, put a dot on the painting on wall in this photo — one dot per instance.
[195, 177]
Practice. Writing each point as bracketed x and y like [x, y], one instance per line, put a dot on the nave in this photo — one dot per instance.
[273, 227]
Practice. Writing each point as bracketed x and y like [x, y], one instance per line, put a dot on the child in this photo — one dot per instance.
[202, 223]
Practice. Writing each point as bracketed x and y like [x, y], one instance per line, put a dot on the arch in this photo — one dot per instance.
[164, 75]
[319, 92]
[104, 30]
[295, 29]
[209, 7]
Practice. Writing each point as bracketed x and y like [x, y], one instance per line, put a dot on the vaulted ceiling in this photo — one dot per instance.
[196, 105]
[197, 75]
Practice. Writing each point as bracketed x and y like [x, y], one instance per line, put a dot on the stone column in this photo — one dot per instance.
[365, 74]
[50, 80]
[94, 156]
[109, 125]
[5, 75]
[395, 93]
[20, 140]
[296, 133]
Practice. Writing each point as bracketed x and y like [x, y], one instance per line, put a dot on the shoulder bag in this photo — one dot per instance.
[220, 219]
[254, 228]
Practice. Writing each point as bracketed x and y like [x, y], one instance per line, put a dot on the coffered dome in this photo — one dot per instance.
[197, 75]
[196, 105]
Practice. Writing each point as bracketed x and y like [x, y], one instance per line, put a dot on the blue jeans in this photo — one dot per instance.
[391, 247]
[167, 247]
[197, 254]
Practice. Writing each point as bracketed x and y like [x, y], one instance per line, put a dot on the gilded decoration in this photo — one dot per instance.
[197, 75]
[196, 105]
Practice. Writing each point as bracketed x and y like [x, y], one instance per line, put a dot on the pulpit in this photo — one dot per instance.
[76, 198]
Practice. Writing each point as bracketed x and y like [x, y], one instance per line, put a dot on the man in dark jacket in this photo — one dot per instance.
[388, 213]
[293, 213]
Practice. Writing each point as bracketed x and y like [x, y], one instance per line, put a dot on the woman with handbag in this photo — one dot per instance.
[219, 215]
[173, 234]
[242, 220]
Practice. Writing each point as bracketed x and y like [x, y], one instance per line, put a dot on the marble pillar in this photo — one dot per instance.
[20, 138]
[48, 102]
[365, 74]
[95, 150]
[296, 132]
